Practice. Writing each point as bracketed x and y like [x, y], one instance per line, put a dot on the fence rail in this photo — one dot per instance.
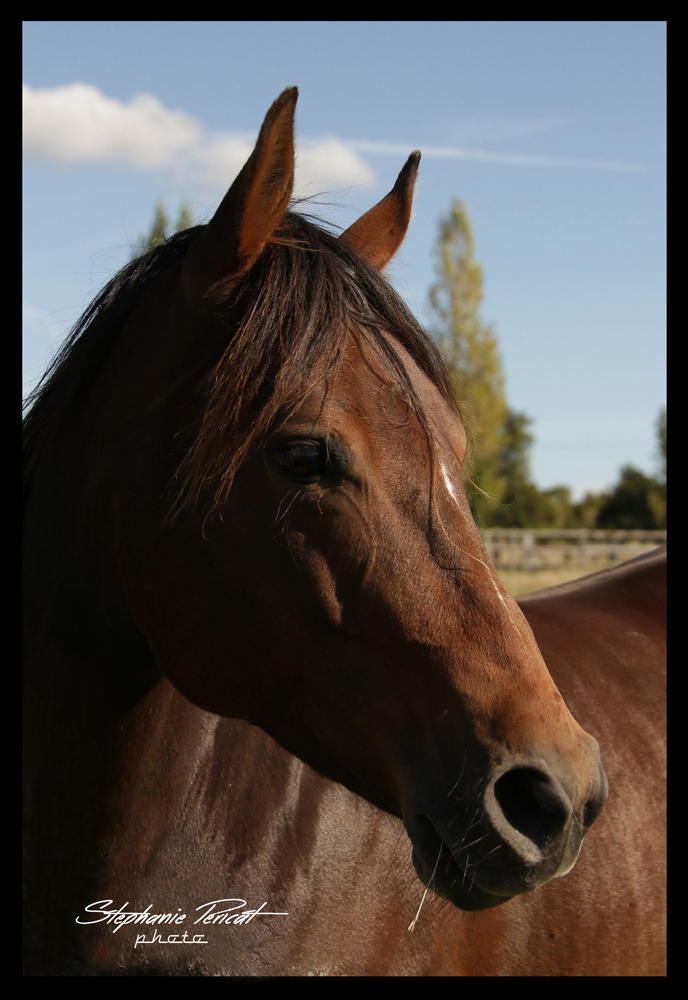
[534, 549]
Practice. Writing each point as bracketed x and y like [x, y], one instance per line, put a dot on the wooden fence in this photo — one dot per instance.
[533, 550]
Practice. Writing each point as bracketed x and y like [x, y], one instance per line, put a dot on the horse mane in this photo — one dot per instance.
[287, 324]
[61, 390]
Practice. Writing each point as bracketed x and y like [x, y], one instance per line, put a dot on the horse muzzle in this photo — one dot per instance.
[523, 829]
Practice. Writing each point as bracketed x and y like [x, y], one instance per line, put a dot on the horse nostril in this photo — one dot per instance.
[593, 807]
[532, 804]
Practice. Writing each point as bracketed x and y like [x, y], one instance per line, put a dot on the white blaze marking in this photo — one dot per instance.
[450, 490]
[448, 484]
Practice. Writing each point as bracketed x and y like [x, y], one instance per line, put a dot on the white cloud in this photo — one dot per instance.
[215, 162]
[328, 163]
[77, 123]
[479, 130]
[30, 314]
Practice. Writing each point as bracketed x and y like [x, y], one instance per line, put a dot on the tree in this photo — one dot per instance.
[661, 442]
[473, 355]
[520, 495]
[161, 227]
[587, 510]
[636, 501]
[658, 498]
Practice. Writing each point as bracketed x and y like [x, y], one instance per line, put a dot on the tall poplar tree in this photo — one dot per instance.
[470, 346]
[161, 227]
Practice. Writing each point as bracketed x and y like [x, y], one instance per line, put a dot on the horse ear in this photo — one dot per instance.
[378, 234]
[252, 208]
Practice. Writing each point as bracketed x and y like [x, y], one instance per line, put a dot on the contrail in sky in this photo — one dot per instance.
[484, 156]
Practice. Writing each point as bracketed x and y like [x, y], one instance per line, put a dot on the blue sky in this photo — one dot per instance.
[552, 132]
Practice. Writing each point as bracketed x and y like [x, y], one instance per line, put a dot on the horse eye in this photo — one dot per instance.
[305, 461]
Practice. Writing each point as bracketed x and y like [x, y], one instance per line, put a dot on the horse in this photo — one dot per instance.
[604, 640]
[281, 715]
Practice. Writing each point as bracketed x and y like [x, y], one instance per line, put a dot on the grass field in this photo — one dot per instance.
[518, 583]
[557, 557]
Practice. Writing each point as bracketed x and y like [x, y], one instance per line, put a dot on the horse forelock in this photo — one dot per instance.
[290, 320]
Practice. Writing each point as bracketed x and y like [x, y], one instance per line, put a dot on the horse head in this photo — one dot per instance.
[292, 538]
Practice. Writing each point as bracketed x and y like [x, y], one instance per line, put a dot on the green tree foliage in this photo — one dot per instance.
[499, 485]
[586, 510]
[520, 498]
[661, 443]
[161, 227]
[497, 470]
[471, 348]
[635, 502]
[513, 460]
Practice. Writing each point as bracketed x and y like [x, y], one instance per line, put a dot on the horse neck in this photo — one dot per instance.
[120, 767]
[87, 668]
